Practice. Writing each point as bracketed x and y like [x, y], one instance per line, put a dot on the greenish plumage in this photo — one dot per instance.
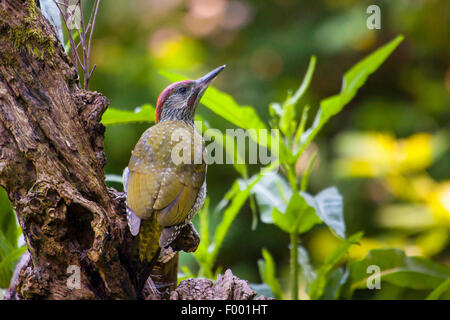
[159, 189]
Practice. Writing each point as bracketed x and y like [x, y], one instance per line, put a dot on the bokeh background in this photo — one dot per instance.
[387, 152]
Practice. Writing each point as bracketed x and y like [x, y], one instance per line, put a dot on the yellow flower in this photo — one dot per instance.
[439, 201]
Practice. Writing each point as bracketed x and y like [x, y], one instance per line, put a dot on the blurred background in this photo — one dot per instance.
[387, 152]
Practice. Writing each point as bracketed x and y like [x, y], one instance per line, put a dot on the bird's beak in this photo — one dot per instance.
[204, 81]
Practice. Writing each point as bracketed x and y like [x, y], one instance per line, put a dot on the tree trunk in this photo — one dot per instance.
[51, 165]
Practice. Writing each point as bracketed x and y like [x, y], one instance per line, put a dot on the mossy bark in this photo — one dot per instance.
[51, 164]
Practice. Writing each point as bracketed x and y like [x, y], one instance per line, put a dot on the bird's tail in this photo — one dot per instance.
[149, 234]
[145, 251]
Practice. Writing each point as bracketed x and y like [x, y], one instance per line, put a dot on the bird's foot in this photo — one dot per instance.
[120, 196]
[166, 254]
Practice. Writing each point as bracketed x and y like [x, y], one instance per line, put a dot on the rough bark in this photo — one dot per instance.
[228, 287]
[51, 165]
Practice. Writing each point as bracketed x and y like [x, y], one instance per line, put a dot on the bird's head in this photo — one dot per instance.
[179, 100]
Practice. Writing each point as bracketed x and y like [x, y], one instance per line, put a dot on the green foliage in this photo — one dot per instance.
[328, 206]
[145, 113]
[271, 192]
[323, 280]
[294, 211]
[439, 290]
[267, 271]
[207, 251]
[308, 273]
[334, 283]
[397, 268]
[299, 216]
[352, 81]
[10, 252]
[286, 112]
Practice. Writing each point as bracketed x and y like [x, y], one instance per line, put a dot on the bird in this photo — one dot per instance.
[165, 180]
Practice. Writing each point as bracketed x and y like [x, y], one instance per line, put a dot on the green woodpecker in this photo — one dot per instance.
[162, 192]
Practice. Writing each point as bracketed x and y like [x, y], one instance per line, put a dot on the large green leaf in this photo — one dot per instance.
[267, 271]
[272, 191]
[329, 207]
[352, 81]
[299, 216]
[145, 113]
[397, 268]
[317, 287]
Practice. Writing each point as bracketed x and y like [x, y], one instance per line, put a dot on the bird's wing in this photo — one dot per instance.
[156, 182]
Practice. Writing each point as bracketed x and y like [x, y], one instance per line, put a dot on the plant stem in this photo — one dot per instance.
[294, 265]
[292, 177]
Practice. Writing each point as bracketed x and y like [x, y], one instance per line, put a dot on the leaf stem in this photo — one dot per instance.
[294, 265]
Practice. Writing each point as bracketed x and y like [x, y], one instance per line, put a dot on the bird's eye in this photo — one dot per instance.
[182, 90]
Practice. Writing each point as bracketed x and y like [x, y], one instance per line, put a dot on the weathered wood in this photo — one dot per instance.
[227, 287]
[51, 164]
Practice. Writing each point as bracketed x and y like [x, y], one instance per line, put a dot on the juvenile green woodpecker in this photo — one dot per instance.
[162, 192]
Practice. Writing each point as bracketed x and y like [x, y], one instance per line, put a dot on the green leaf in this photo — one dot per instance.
[226, 107]
[329, 207]
[8, 223]
[299, 216]
[287, 112]
[204, 223]
[267, 271]
[287, 120]
[397, 268]
[440, 290]
[275, 110]
[7, 265]
[299, 132]
[307, 270]
[334, 284]
[305, 83]
[272, 191]
[202, 254]
[235, 188]
[352, 81]
[305, 177]
[316, 289]
[145, 113]
[229, 215]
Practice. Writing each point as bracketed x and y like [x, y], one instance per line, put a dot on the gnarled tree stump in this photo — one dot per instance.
[51, 165]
